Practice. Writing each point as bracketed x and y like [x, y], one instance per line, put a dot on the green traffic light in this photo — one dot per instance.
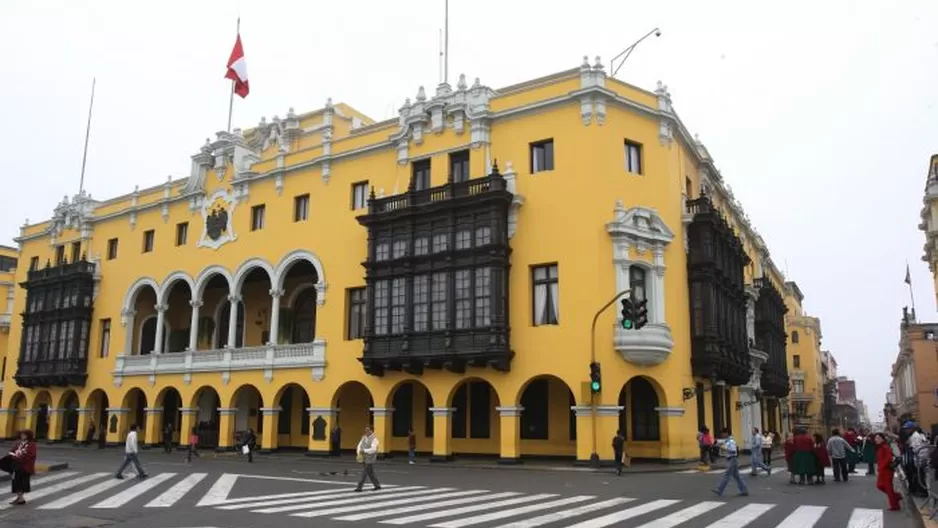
[595, 386]
[627, 324]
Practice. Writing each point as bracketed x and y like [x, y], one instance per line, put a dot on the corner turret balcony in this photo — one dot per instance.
[801, 396]
[5, 320]
[649, 346]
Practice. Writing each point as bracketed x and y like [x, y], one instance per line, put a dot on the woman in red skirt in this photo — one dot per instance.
[789, 449]
[823, 458]
[884, 471]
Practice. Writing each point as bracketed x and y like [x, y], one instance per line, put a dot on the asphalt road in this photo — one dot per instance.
[291, 491]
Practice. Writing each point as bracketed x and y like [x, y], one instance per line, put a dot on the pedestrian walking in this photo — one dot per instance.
[803, 462]
[618, 451]
[839, 449]
[789, 450]
[193, 444]
[758, 441]
[868, 448]
[767, 448]
[728, 445]
[367, 454]
[885, 471]
[168, 438]
[89, 437]
[24, 465]
[131, 455]
[411, 446]
[248, 443]
[705, 443]
[822, 458]
[851, 437]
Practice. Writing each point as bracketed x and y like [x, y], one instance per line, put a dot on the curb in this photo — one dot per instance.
[41, 467]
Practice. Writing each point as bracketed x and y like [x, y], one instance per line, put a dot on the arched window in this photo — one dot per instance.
[637, 283]
[222, 325]
[304, 316]
[148, 337]
[642, 402]
[794, 337]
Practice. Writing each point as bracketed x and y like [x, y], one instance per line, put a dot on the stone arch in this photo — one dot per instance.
[295, 256]
[641, 397]
[548, 424]
[141, 349]
[354, 402]
[170, 281]
[134, 401]
[293, 420]
[130, 298]
[68, 405]
[475, 426]
[411, 400]
[99, 402]
[247, 267]
[206, 275]
[170, 400]
[206, 401]
[247, 400]
[41, 404]
[16, 419]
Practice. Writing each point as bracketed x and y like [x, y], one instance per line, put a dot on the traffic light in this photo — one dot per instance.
[596, 381]
[628, 314]
[641, 314]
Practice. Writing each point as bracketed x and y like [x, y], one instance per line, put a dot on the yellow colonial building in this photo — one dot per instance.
[8, 262]
[438, 272]
[805, 361]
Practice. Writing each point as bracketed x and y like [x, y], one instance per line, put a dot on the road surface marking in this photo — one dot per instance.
[52, 478]
[219, 491]
[344, 498]
[495, 516]
[864, 518]
[60, 487]
[468, 509]
[803, 517]
[122, 498]
[422, 507]
[385, 503]
[682, 516]
[566, 514]
[81, 495]
[742, 516]
[628, 513]
[178, 491]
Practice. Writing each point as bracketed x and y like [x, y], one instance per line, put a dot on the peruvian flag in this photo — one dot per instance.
[238, 69]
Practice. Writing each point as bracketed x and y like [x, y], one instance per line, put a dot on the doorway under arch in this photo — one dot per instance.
[411, 401]
[354, 402]
[293, 420]
[475, 424]
[69, 422]
[206, 421]
[41, 406]
[171, 402]
[548, 424]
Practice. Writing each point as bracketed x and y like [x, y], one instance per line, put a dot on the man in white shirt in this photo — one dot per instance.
[756, 458]
[367, 452]
[130, 455]
[728, 446]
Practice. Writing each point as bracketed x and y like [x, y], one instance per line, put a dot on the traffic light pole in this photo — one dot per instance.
[594, 456]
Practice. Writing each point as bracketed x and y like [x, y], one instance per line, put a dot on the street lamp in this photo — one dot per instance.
[628, 51]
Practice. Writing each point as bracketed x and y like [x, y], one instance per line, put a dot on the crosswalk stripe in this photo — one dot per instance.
[52, 478]
[421, 507]
[122, 498]
[566, 514]
[628, 513]
[178, 491]
[81, 495]
[742, 516]
[59, 487]
[218, 493]
[866, 518]
[803, 517]
[494, 516]
[688, 472]
[684, 515]
[349, 499]
[241, 500]
[468, 509]
[385, 503]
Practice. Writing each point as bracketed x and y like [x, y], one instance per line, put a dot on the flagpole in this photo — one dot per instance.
[231, 97]
[909, 282]
[84, 156]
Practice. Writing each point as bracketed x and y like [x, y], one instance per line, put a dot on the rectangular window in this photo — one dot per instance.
[182, 233]
[483, 236]
[33, 263]
[633, 157]
[112, 249]
[359, 195]
[257, 217]
[381, 307]
[480, 401]
[421, 303]
[76, 251]
[459, 166]
[421, 175]
[440, 243]
[300, 208]
[398, 304]
[463, 239]
[542, 156]
[483, 297]
[357, 301]
[546, 295]
[7, 264]
[463, 297]
[399, 249]
[382, 251]
[148, 237]
[421, 246]
[797, 386]
[59, 255]
[438, 298]
[105, 337]
[796, 360]
[687, 187]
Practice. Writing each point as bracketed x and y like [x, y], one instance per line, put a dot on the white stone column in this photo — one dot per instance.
[275, 296]
[160, 317]
[194, 324]
[656, 280]
[745, 398]
[235, 301]
[127, 321]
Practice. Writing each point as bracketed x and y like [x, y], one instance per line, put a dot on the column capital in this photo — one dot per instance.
[609, 410]
[160, 308]
[442, 411]
[85, 410]
[227, 410]
[189, 410]
[270, 411]
[153, 410]
[117, 410]
[196, 303]
[52, 410]
[234, 298]
[382, 411]
[510, 411]
[670, 411]
[7, 410]
[324, 411]
[276, 293]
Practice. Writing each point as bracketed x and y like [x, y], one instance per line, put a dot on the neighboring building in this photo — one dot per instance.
[829, 374]
[915, 374]
[8, 263]
[929, 222]
[327, 270]
[864, 414]
[846, 411]
[805, 361]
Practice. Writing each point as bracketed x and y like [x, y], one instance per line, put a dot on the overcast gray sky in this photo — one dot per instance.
[821, 115]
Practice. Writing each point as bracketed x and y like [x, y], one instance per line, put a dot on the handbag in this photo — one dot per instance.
[245, 449]
[8, 464]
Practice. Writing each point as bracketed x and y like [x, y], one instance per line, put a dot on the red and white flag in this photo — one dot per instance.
[238, 69]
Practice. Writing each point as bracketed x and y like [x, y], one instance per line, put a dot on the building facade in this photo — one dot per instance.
[8, 263]
[915, 374]
[439, 271]
[805, 362]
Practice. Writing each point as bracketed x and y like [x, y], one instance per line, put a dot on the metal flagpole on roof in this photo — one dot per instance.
[84, 156]
[231, 97]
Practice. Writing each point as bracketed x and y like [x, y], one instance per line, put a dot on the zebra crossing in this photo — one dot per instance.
[414, 505]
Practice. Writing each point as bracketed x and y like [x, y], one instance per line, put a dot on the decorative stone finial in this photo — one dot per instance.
[328, 102]
[421, 94]
[586, 62]
[237, 132]
[291, 113]
[495, 168]
[697, 138]
[169, 178]
[263, 121]
[461, 84]
[208, 141]
[26, 222]
[276, 119]
[136, 189]
[476, 84]
[599, 64]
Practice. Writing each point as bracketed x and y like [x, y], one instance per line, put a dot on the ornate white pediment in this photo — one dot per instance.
[639, 225]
